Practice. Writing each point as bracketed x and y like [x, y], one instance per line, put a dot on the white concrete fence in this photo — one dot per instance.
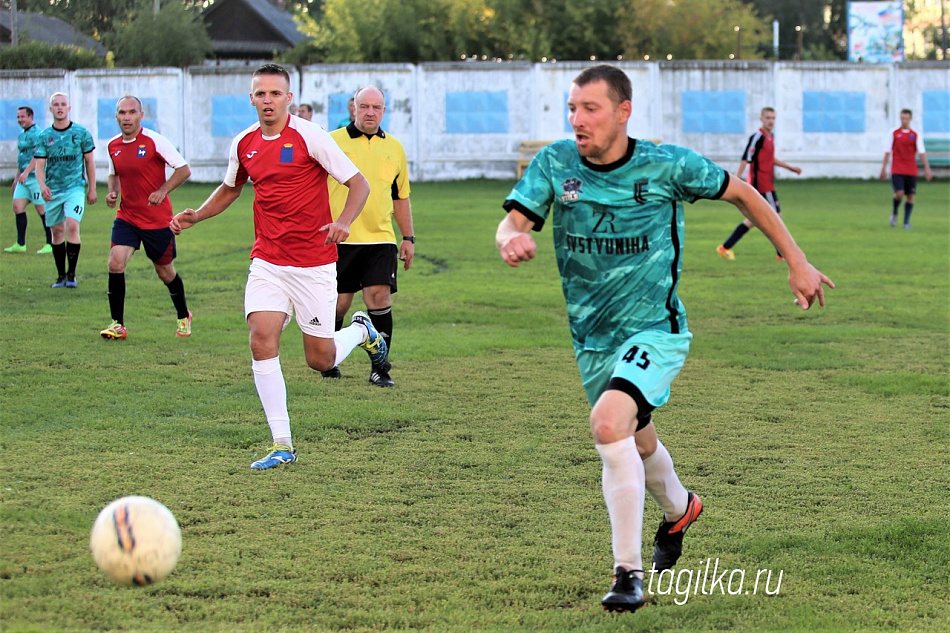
[462, 120]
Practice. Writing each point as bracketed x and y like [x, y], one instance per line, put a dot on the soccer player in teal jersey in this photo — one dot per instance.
[64, 166]
[25, 187]
[616, 207]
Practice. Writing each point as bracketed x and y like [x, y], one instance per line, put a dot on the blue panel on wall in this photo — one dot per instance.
[833, 111]
[9, 128]
[476, 112]
[936, 111]
[105, 116]
[231, 114]
[713, 111]
[337, 112]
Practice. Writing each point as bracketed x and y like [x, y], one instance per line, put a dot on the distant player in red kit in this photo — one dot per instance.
[293, 260]
[137, 160]
[759, 156]
[905, 144]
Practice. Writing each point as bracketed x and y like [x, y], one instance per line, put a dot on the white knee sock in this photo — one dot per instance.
[273, 394]
[347, 339]
[624, 494]
[663, 484]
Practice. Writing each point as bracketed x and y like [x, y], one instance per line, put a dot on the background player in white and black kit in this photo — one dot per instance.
[903, 147]
[137, 160]
[293, 260]
[759, 156]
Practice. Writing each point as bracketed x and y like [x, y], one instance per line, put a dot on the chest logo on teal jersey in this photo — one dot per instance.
[572, 190]
[640, 188]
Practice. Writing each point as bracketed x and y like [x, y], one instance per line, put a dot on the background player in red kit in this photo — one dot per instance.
[759, 156]
[905, 145]
[137, 160]
[293, 260]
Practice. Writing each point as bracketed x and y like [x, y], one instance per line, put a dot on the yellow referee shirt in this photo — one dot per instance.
[382, 161]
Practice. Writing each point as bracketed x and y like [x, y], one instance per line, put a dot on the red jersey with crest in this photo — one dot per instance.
[760, 154]
[291, 202]
[140, 165]
[905, 145]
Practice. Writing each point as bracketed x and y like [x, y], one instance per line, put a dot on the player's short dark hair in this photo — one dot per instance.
[136, 99]
[618, 84]
[273, 69]
[29, 110]
[908, 111]
[307, 106]
[766, 109]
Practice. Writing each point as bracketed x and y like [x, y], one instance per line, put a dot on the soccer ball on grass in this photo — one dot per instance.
[135, 541]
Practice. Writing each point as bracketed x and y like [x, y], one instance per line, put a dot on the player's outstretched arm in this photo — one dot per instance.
[805, 280]
[218, 201]
[513, 240]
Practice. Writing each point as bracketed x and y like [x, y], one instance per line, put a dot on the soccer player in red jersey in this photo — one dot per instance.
[759, 155]
[137, 160]
[293, 260]
[905, 145]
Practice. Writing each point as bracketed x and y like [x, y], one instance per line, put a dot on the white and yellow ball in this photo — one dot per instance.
[135, 541]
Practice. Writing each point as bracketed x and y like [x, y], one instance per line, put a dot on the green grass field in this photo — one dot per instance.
[468, 497]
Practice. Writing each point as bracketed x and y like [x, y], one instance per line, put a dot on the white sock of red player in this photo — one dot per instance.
[272, 391]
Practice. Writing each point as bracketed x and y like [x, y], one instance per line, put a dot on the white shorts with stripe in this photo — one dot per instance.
[310, 293]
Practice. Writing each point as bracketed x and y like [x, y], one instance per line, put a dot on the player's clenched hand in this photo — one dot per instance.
[111, 198]
[184, 220]
[806, 282]
[156, 197]
[520, 248]
[336, 232]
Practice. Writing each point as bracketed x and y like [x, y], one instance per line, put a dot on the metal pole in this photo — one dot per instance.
[14, 27]
[943, 27]
[800, 41]
[775, 38]
[738, 43]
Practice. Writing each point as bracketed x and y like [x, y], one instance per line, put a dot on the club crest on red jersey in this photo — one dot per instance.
[287, 153]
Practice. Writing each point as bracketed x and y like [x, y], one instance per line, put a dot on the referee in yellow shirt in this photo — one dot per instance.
[368, 258]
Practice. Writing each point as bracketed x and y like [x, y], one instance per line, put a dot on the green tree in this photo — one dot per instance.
[92, 17]
[175, 36]
[427, 30]
[42, 55]
[690, 29]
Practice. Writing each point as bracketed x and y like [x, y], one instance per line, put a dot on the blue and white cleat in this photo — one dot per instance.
[279, 454]
[375, 344]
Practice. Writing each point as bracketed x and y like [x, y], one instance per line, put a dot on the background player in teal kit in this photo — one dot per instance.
[25, 187]
[616, 209]
[64, 165]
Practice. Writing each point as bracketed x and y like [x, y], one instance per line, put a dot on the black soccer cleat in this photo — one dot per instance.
[626, 594]
[668, 542]
[379, 376]
[333, 372]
